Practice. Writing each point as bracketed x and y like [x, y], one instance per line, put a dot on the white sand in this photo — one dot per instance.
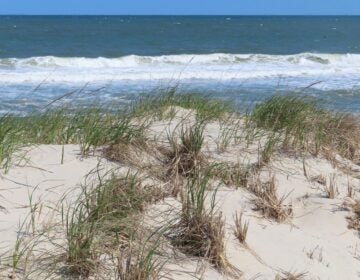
[315, 240]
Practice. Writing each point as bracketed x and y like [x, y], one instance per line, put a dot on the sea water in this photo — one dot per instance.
[114, 59]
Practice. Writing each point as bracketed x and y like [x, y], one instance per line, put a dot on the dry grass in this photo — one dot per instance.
[332, 190]
[102, 216]
[103, 220]
[185, 156]
[138, 261]
[304, 125]
[241, 228]
[266, 153]
[200, 232]
[354, 221]
[157, 106]
[231, 174]
[291, 276]
[350, 190]
[268, 202]
[343, 132]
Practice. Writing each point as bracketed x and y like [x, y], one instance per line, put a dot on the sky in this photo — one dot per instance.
[180, 7]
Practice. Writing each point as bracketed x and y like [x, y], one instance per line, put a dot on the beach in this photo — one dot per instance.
[299, 203]
[148, 147]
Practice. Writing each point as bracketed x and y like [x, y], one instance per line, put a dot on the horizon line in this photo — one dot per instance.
[184, 15]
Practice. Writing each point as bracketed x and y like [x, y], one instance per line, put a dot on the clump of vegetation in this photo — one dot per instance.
[200, 231]
[136, 262]
[305, 125]
[107, 212]
[291, 276]
[241, 228]
[158, 105]
[268, 202]
[231, 174]
[354, 221]
[81, 256]
[103, 223]
[185, 156]
[89, 128]
[10, 139]
[267, 152]
[332, 190]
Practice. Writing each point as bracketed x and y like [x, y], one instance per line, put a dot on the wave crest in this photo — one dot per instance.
[183, 59]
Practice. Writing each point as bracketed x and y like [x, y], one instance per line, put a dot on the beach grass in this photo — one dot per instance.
[106, 220]
[200, 231]
[301, 123]
[158, 105]
[295, 123]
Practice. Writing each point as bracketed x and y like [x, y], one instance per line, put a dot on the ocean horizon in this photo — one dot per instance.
[114, 59]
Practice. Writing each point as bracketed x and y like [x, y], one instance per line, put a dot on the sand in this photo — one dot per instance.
[316, 240]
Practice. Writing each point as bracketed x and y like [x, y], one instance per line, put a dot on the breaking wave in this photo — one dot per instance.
[335, 70]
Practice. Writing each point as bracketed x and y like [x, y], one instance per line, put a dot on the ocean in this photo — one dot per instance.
[114, 59]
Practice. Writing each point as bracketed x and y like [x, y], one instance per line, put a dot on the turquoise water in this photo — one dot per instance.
[114, 59]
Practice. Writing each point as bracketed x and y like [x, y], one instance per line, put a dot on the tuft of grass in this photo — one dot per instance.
[231, 174]
[284, 112]
[57, 126]
[350, 190]
[241, 228]
[134, 263]
[158, 105]
[109, 212]
[80, 253]
[228, 134]
[90, 128]
[267, 152]
[10, 140]
[268, 202]
[185, 156]
[200, 232]
[19, 260]
[117, 200]
[304, 124]
[19, 253]
[354, 221]
[332, 190]
[291, 276]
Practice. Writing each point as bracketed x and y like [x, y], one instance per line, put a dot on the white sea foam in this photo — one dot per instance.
[335, 70]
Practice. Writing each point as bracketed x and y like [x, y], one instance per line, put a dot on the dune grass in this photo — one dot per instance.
[184, 155]
[106, 217]
[200, 231]
[158, 105]
[354, 221]
[100, 234]
[241, 228]
[90, 129]
[137, 262]
[297, 123]
[105, 220]
[303, 124]
[10, 139]
[267, 200]
[285, 275]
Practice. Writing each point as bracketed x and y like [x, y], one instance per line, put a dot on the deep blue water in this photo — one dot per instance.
[115, 58]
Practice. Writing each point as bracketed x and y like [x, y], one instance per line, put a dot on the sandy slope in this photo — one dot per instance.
[316, 239]
[43, 179]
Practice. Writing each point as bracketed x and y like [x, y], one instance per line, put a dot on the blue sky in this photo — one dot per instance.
[185, 7]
